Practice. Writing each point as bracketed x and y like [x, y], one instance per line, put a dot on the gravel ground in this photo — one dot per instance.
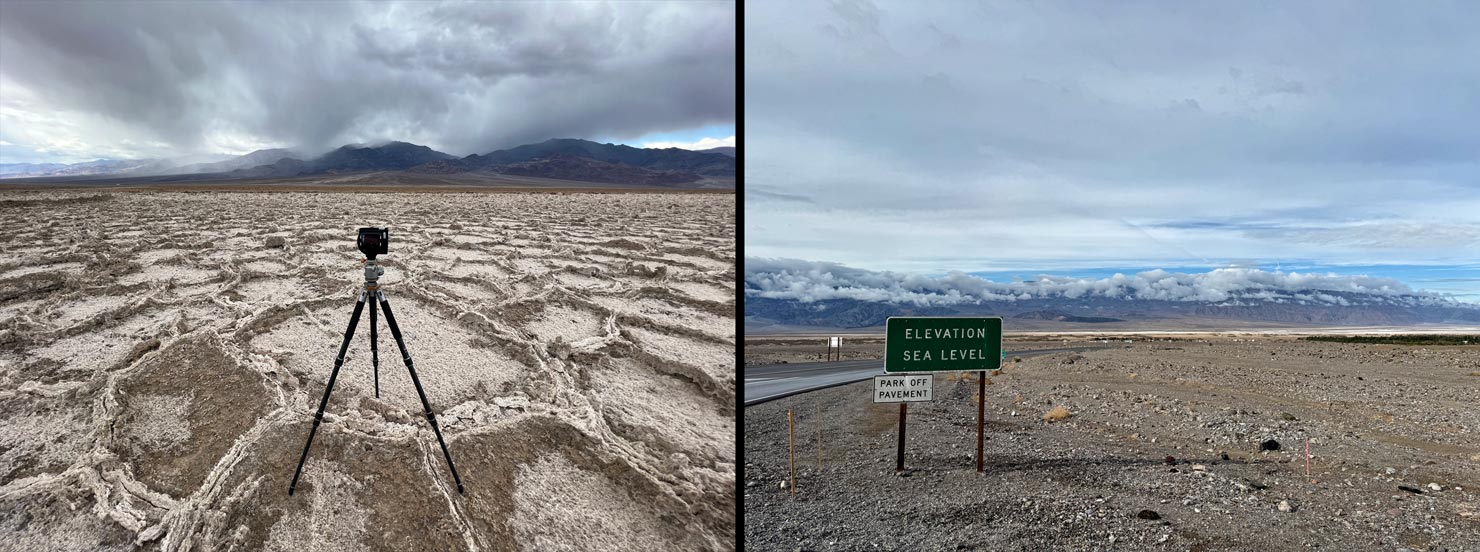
[1162, 452]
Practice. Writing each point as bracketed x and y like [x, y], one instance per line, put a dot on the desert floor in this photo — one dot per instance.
[160, 366]
[1161, 451]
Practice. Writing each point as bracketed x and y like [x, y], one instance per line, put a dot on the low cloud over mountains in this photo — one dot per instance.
[806, 293]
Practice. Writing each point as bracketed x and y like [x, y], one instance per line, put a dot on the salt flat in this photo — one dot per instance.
[159, 369]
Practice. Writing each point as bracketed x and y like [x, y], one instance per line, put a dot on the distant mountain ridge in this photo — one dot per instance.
[560, 159]
[854, 313]
[667, 159]
[564, 166]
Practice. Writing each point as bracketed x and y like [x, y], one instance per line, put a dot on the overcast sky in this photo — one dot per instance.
[1016, 137]
[119, 79]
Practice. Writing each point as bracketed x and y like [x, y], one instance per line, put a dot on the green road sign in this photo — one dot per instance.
[931, 344]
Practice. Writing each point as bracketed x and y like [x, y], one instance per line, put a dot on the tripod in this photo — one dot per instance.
[372, 274]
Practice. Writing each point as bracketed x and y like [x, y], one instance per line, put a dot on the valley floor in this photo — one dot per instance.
[1168, 428]
[160, 365]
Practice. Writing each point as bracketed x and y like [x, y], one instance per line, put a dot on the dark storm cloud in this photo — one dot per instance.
[176, 77]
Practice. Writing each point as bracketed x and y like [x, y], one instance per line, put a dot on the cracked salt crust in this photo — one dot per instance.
[659, 418]
[559, 506]
[569, 324]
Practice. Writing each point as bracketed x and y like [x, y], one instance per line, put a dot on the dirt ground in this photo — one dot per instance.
[160, 365]
[1161, 450]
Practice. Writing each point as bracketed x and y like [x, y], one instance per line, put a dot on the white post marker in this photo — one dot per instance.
[904, 388]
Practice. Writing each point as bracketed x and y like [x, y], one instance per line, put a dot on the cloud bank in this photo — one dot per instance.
[810, 281]
[700, 144]
[152, 79]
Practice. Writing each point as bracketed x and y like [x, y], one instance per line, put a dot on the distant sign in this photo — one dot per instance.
[938, 344]
[835, 342]
[913, 388]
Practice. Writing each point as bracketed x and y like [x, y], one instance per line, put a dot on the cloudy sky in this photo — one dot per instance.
[1011, 138]
[118, 79]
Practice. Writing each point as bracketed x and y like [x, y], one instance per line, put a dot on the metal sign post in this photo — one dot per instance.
[899, 462]
[981, 416]
[903, 389]
[937, 344]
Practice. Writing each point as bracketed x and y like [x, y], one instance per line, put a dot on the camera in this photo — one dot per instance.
[374, 241]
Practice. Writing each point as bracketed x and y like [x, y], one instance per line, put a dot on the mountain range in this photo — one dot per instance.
[559, 159]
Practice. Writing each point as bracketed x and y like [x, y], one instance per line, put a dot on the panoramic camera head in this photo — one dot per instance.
[374, 241]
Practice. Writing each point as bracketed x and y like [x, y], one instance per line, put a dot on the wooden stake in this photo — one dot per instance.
[981, 416]
[899, 462]
[791, 429]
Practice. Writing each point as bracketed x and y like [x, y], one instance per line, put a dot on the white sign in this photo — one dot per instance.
[909, 388]
[835, 342]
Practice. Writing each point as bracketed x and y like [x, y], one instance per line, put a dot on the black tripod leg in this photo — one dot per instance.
[374, 352]
[390, 320]
[319, 416]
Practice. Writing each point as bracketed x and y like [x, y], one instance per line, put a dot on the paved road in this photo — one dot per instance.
[773, 381]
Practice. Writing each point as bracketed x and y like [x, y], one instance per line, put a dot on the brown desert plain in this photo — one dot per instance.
[1148, 441]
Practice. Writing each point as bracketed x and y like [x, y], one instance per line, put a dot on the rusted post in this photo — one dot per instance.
[981, 415]
[899, 462]
[792, 432]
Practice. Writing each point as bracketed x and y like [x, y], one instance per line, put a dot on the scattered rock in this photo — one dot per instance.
[1199, 467]
[1286, 507]
[1171, 461]
[1389, 471]
[1223, 455]
[1149, 514]
[1270, 444]
[783, 485]
[276, 241]
[1435, 487]
[1286, 416]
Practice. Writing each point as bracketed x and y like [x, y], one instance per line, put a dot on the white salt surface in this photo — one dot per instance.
[181, 275]
[64, 268]
[560, 507]
[568, 323]
[663, 425]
